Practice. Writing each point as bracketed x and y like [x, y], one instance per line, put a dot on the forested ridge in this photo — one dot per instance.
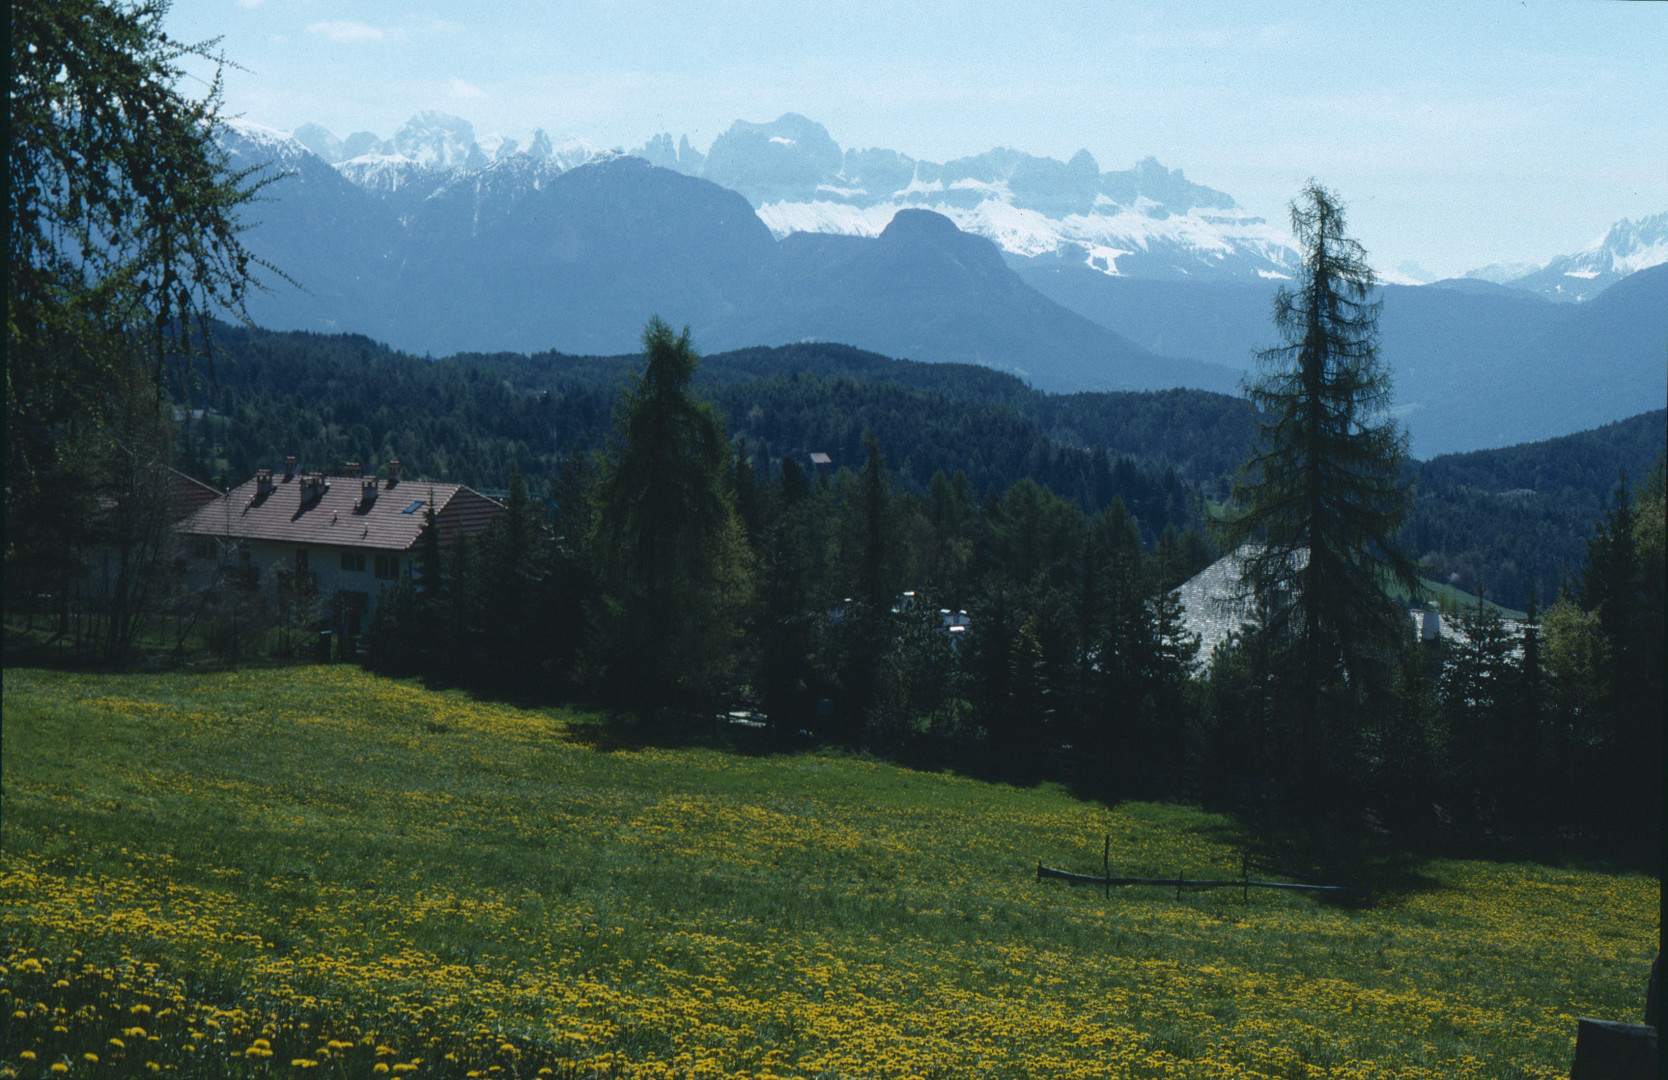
[1509, 519]
[470, 418]
[1519, 518]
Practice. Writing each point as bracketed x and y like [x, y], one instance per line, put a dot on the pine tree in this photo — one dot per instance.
[1478, 691]
[874, 562]
[793, 572]
[1622, 586]
[514, 574]
[671, 551]
[1322, 495]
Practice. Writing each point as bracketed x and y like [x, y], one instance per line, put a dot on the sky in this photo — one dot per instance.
[1458, 134]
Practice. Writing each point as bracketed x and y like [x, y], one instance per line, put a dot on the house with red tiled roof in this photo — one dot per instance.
[345, 537]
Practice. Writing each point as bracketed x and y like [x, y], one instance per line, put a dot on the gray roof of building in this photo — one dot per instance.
[1213, 610]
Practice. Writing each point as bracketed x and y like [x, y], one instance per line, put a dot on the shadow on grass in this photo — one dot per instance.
[1328, 851]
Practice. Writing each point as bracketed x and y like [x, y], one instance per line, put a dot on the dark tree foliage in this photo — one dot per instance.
[670, 550]
[122, 231]
[121, 217]
[1482, 706]
[1322, 497]
[1622, 587]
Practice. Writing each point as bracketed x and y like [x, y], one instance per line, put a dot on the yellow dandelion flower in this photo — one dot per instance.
[90, 1058]
[59, 1067]
[381, 1068]
[118, 1044]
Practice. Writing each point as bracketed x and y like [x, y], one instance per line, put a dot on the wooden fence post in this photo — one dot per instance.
[1106, 865]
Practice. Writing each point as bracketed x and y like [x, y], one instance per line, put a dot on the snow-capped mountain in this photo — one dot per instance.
[432, 145]
[249, 144]
[439, 140]
[527, 253]
[1628, 247]
[1148, 221]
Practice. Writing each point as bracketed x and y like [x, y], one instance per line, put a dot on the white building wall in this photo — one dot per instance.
[270, 559]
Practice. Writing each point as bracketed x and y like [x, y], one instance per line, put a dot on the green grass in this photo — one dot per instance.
[342, 865]
[1449, 598]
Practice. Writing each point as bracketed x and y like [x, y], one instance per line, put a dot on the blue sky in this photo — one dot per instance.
[1458, 134]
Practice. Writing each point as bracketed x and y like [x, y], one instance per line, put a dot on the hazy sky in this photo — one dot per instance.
[1458, 133]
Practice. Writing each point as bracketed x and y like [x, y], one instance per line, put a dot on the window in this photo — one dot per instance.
[387, 566]
[353, 561]
[301, 560]
[203, 548]
[413, 508]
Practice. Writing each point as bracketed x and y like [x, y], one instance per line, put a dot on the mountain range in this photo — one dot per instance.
[1024, 264]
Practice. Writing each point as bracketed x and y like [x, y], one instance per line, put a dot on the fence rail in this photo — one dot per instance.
[1244, 882]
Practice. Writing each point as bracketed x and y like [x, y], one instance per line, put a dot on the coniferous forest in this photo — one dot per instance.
[818, 596]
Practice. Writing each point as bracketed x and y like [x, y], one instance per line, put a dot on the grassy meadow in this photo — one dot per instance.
[313, 872]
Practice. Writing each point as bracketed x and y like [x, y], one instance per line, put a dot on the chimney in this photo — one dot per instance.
[289, 468]
[263, 482]
[367, 490]
[351, 470]
[313, 488]
[393, 471]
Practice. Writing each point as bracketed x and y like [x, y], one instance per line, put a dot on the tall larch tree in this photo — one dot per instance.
[122, 240]
[1317, 505]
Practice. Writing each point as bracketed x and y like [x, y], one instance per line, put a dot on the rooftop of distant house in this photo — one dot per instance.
[348, 510]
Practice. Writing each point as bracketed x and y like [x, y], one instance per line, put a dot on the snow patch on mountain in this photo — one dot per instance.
[1625, 248]
[258, 141]
[387, 173]
[1098, 240]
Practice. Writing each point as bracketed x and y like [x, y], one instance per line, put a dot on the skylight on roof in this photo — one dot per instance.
[413, 508]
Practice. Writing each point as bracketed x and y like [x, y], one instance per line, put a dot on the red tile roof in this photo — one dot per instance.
[389, 520]
[186, 495]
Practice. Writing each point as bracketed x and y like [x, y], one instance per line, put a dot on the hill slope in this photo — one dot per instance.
[1520, 517]
[352, 870]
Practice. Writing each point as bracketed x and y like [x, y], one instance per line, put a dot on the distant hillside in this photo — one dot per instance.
[468, 418]
[1521, 516]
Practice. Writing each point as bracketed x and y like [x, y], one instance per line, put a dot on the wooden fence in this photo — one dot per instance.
[1244, 883]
